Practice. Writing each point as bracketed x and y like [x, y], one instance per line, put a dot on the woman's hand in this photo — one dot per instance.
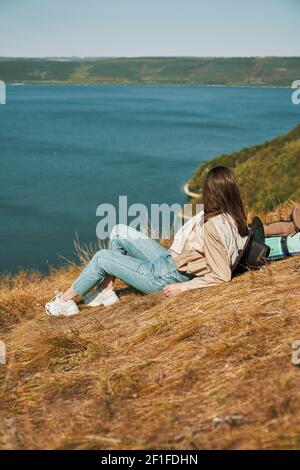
[173, 289]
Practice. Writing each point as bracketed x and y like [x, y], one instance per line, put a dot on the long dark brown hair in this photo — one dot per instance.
[221, 195]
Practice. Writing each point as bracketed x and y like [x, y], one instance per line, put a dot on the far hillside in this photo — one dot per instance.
[268, 174]
[245, 71]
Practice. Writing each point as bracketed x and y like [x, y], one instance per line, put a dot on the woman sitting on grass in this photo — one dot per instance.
[202, 254]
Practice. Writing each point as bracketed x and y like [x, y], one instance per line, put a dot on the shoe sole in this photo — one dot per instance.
[105, 304]
[61, 314]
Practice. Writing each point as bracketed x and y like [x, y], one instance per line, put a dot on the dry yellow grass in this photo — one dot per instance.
[210, 369]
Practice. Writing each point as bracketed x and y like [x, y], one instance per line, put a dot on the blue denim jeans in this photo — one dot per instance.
[148, 267]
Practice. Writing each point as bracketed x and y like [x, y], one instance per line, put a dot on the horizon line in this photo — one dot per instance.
[155, 57]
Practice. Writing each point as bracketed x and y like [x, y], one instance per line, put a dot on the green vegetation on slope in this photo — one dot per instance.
[268, 174]
[255, 71]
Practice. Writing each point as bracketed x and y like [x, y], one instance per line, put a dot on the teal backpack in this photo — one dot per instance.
[258, 249]
[282, 247]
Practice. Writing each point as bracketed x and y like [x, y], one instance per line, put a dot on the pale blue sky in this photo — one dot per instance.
[37, 28]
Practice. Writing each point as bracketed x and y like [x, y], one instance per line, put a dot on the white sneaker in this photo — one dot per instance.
[58, 308]
[97, 298]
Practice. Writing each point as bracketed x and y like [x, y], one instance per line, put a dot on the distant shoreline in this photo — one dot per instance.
[161, 85]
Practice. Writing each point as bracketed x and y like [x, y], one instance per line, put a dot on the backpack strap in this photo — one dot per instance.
[284, 246]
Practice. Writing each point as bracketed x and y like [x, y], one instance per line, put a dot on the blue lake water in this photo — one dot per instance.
[66, 149]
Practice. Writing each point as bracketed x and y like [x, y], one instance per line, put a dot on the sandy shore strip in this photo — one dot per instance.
[188, 192]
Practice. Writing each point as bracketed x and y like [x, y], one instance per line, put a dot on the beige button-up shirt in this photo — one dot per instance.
[206, 259]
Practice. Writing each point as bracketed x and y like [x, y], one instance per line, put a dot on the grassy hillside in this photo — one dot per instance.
[268, 174]
[210, 369]
[269, 71]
